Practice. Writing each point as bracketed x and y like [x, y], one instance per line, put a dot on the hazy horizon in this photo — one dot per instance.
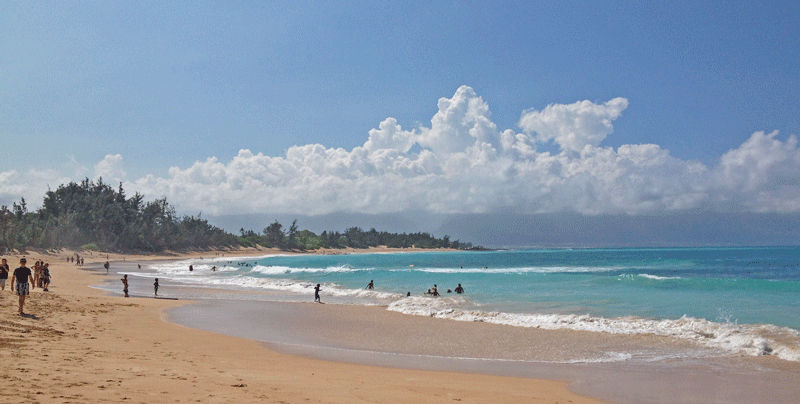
[514, 231]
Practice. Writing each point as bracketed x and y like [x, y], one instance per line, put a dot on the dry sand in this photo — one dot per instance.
[81, 346]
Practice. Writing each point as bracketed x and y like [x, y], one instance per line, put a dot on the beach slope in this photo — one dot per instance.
[79, 345]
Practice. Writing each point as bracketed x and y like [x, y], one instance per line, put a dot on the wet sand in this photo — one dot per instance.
[374, 336]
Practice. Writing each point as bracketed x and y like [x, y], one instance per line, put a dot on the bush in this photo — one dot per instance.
[90, 246]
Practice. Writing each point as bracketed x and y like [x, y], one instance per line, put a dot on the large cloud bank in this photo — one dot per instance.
[463, 163]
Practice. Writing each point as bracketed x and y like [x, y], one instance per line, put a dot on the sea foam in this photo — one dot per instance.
[727, 337]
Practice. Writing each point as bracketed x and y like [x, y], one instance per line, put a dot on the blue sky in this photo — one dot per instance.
[214, 103]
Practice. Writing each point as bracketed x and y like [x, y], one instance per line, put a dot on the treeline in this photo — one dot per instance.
[275, 235]
[94, 214]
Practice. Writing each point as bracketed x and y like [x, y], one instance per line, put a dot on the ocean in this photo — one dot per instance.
[720, 301]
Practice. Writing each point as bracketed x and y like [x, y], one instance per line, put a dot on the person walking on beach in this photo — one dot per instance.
[125, 284]
[45, 278]
[106, 265]
[155, 287]
[371, 285]
[20, 278]
[459, 289]
[37, 268]
[4, 270]
[316, 294]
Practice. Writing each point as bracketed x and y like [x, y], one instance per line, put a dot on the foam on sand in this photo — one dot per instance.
[726, 337]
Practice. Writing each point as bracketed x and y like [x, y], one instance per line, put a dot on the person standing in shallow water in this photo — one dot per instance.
[459, 289]
[20, 281]
[106, 265]
[125, 284]
[155, 287]
[371, 285]
[316, 294]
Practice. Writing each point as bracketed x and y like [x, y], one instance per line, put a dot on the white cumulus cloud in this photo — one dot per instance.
[762, 175]
[463, 163]
[110, 169]
[574, 126]
[15, 185]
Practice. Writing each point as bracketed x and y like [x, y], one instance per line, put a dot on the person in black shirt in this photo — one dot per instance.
[20, 281]
[459, 289]
[125, 284]
[3, 274]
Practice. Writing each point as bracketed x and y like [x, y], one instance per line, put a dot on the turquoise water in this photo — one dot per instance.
[735, 299]
[745, 285]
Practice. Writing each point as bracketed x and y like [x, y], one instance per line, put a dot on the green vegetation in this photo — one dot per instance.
[95, 216]
[90, 246]
[291, 239]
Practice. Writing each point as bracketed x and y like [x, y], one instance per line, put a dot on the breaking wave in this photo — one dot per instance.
[754, 340]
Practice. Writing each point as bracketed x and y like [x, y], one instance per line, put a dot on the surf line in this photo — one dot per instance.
[402, 354]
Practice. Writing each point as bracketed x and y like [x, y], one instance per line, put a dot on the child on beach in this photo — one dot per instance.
[125, 284]
[37, 269]
[155, 287]
[316, 294]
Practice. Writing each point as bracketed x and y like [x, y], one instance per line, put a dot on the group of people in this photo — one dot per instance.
[125, 285]
[77, 259]
[435, 290]
[41, 275]
[371, 285]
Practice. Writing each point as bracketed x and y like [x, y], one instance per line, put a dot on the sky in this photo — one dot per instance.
[446, 107]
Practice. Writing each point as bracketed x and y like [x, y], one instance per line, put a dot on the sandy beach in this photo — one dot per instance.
[79, 345]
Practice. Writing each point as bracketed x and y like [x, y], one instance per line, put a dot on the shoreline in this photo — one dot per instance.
[370, 335]
[81, 344]
[766, 380]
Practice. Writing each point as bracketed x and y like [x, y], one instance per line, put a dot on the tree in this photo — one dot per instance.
[293, 234]
[275, 235]
[87, 212]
